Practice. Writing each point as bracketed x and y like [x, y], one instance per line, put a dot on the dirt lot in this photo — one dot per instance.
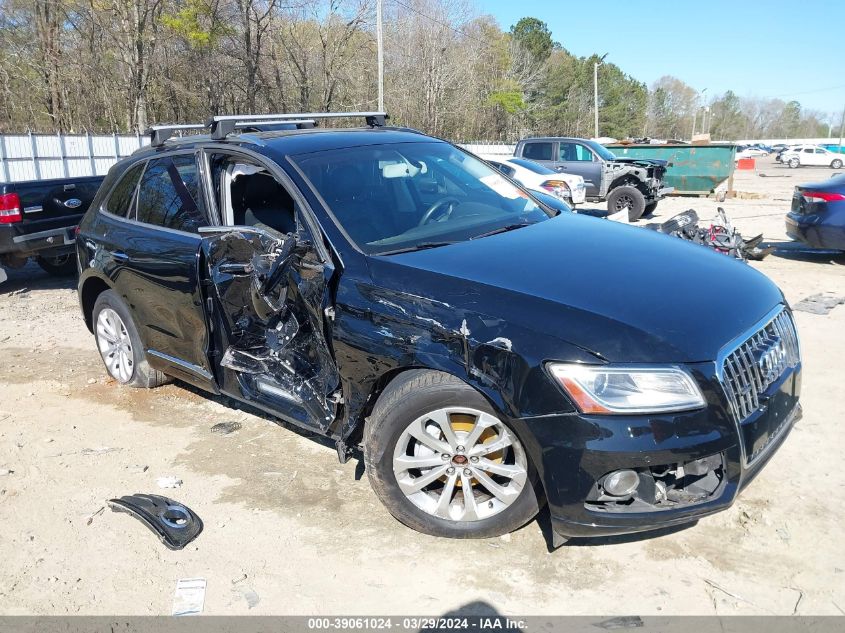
[285, 522]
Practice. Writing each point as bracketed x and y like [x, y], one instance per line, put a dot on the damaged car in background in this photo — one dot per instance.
[634, 185]
[396, 294]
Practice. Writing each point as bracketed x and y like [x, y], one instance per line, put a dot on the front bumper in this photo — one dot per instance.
[574, 451]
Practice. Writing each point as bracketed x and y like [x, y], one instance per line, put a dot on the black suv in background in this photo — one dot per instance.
[632, 184]
[395, 293]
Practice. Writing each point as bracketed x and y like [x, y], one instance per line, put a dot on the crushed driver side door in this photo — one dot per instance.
[267, 297]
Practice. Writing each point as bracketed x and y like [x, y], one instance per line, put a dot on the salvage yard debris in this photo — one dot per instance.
[721, 236]
[189, 598]
[226, 428]
[819, 304]
[175, 524]
[169, 481]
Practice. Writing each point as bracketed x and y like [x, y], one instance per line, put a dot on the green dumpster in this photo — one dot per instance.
[694, 169]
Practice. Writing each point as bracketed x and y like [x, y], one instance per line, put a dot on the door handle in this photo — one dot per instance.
[119, 256]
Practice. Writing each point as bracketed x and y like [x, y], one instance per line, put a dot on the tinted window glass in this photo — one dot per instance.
[405, 196]
[538, 151]
[169, 194]
[575, 152]
[120, 199]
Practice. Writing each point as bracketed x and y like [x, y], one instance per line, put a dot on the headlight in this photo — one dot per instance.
[609, 389]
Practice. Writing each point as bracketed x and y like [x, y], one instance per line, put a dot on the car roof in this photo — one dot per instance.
[292, 142]
[553, 138]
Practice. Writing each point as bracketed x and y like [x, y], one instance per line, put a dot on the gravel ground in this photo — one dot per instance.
[287, 525]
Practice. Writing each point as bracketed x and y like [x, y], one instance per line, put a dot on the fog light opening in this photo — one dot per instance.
[621, 483]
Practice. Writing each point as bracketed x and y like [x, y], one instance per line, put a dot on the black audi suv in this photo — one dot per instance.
[485, 352]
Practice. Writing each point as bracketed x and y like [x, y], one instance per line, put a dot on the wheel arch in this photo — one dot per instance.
[89, 289]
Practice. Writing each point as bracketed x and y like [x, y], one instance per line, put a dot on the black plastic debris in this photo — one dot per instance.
[174, 524]
[819, 304]
[225, 428]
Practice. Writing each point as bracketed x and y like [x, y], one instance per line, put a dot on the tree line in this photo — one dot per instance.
[120, 65]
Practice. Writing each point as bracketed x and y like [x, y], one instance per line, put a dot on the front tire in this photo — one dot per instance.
[793, 163]
[444, 463]
[836, 164]
[119, 344]
[58, 265]
[627, 197]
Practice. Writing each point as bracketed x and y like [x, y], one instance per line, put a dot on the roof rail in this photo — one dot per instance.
[160, 133]
[222, 126]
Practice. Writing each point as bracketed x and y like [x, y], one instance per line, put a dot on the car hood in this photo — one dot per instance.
[622, 293]
[644, 162]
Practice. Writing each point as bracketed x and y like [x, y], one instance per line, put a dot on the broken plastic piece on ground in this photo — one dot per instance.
[225, 428]
[819, 304]
[169, 481]
[174, 524]
[189, 598]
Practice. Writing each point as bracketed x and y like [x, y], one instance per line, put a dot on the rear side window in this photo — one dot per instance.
[120, 200]
[538, 151]
[169, 194]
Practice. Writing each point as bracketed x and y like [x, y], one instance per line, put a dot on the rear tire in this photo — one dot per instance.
[58, 265]
[836, 164]
[627, 197]
[119, 344]
[409, 408]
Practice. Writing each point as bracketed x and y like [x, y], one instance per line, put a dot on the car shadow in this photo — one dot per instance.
[31, 277]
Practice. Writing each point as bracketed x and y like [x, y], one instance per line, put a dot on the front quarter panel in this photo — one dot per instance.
[380, 332]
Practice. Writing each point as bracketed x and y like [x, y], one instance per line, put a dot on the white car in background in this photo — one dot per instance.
[568, 187]
[751, 152]
[812, 155]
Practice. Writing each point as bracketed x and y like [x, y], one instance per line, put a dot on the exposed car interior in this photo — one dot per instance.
[249, 195]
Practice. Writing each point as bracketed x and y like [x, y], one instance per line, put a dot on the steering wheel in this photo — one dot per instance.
[437, 206]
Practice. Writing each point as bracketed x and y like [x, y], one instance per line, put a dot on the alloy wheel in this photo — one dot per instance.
[115, 345]
[460, 464]
[624, 202]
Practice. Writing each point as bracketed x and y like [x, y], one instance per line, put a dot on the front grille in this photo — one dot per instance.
[758, 362]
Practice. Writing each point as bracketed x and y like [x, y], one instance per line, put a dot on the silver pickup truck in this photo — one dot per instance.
[625, 183]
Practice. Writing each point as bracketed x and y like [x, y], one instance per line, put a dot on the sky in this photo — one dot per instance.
[757, 48]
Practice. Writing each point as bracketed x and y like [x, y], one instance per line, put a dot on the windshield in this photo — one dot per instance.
[530, 165]
[408, 196]
[601, 150]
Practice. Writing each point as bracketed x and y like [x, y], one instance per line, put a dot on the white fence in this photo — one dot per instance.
[42, 156]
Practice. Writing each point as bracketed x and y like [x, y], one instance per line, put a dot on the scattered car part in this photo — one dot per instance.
[169, 481]
[175, 524]
[226, 428]
[819, 304]
[721, 236]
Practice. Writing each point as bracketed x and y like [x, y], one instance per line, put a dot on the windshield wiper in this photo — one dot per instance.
[503, 229]
[416, 247]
